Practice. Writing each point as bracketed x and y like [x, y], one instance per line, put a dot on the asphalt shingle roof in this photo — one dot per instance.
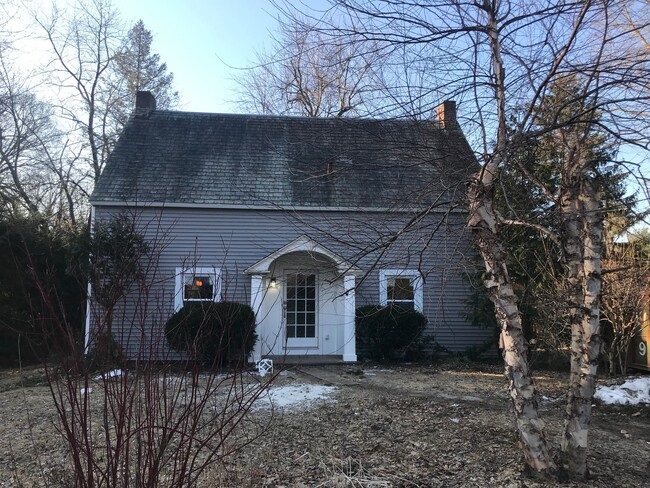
[249, 160]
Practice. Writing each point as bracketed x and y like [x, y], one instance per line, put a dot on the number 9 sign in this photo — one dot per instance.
[643, 349]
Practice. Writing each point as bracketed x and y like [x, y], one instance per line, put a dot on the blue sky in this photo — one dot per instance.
[198, 39]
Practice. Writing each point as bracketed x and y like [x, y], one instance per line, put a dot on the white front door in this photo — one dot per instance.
[301, 304]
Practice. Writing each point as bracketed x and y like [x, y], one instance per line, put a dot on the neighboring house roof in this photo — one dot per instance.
[185, 158]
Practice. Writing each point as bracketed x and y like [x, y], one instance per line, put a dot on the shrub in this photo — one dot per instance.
[34, 262]
[105, 353]
[115, 251]
[215, 332]
[386, 330]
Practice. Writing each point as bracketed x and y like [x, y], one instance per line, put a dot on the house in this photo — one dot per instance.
[305, 219]
[638, 357]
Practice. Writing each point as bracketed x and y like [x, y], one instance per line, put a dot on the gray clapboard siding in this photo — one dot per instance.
[233, 239]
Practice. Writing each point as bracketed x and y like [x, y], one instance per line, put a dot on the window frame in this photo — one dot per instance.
[418, 285]
[179, 292]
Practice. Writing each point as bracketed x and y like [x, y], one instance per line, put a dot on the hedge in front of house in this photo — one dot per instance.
[385, 331]
[214, 332]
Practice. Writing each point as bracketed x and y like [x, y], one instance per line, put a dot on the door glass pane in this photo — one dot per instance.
[301, 305]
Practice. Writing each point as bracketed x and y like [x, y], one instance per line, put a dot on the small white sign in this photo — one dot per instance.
[264, 366]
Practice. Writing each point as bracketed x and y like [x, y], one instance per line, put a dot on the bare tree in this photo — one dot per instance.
[26, 132]
[305, 75]
[84, 42]
[626, 280]
[97, 70]
[503, 58]
[67, 195]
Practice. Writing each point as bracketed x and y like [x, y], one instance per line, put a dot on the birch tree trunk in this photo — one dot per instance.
[530, 427]
[572, 249]
[585, 336]
[483, 222]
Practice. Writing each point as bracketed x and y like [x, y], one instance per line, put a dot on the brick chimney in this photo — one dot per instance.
[145, 103]
[446, 115]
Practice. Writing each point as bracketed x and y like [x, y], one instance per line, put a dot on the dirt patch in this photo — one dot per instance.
[10, 379]
[403, 426]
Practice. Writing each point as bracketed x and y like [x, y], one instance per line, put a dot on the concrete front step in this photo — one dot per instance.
[307, 359]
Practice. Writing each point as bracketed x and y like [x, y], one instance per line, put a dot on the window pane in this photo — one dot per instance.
[311, 318]
[400, 289]
[291, 332]
[300, 331]
[300, 318]
[300, 306]
[198, 287]
[311, 331]
[291, 292]
[311, 305]
[291, 305]
[291, 318]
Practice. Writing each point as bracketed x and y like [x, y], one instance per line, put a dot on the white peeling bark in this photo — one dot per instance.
[530, 427]
[483, 222]
[571, 239]
[586, 342]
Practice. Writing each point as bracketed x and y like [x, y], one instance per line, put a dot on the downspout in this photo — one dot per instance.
[89, 290]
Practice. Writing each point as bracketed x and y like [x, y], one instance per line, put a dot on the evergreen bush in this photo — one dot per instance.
[385, 331]
[214, 332]
[36, 260]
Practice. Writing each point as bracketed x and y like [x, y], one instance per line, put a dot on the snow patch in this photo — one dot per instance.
[632, 392]
[294, 396]
[110, 374]
[373, 372]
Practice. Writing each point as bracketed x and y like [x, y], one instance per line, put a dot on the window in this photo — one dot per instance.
[401, 287]
[195, 285]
